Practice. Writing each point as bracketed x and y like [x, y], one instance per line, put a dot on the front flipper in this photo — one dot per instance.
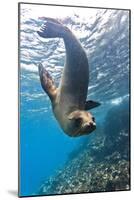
[47, 82]
[91, 104]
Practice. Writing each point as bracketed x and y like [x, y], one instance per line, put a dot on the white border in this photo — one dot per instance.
[8, 99]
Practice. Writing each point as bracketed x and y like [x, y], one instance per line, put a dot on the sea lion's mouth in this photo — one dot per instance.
[84, 130]
[88, 128]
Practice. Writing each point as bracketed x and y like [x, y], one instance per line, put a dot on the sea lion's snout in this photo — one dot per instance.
[91, 124]
[89, 127]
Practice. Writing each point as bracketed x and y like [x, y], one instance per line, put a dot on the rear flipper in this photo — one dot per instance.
[91, 104]
[47, 82]
[51, 29]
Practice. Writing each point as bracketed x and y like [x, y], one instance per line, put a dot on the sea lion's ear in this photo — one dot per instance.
[74, 115]
[91, 104]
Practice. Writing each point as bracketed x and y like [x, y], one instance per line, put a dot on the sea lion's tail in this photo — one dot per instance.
[52, 28]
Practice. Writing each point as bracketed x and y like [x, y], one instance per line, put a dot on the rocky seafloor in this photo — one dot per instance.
[101, 163]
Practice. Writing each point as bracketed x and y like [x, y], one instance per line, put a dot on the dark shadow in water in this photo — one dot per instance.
[13, 192]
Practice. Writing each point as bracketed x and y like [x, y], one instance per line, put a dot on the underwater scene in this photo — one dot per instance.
[50, 161]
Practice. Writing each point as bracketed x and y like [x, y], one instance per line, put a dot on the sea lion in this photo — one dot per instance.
[69, 99]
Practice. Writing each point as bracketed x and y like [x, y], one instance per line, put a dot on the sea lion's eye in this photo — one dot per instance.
[78, 121]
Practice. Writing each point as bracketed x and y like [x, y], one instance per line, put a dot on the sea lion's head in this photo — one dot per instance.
[82, 123]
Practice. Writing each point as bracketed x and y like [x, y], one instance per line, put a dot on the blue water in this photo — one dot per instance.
[44, 148]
